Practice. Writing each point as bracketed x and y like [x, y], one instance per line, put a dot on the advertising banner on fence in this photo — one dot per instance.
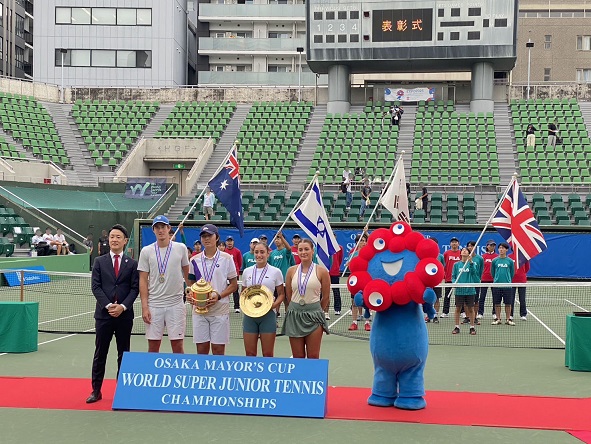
[13, 279]
[222, 384]
[409, 95]
[145, 187]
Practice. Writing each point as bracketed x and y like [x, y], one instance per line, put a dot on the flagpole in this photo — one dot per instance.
[295, 206]
[221, 165]
[366, 228]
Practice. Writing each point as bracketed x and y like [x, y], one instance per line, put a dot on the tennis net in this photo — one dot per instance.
[66, 305]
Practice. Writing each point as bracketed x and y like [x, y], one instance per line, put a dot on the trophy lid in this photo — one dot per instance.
[256, 301]
[201, 287]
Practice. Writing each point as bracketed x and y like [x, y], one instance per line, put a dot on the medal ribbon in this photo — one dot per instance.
[208, 274]
[254, 275]
[302, 286]
[162, 265]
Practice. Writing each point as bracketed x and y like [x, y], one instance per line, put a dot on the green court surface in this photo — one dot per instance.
[450, 368]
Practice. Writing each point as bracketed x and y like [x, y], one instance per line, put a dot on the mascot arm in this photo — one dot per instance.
[358, 299]
[429, 297]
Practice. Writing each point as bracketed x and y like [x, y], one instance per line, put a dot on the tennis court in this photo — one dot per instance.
[526, 360]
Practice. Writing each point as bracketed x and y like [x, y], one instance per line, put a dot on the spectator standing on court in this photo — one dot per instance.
[208, 203]
[357, 310]
[103, 243]
[211, 331]
[163, 267]
[530, 135]
[365, 200]
[237, 258]
[335, 276]
[479, 262]
[465, 272]
[520, 277]
[486, 276]
[296, 239]
[552, 134]
[281, 258]
[248, 259]
[450, 258]
[503, 270]
[115, 285]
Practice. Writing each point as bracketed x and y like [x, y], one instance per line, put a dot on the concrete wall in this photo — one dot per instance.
[30, 171]
[72, 263]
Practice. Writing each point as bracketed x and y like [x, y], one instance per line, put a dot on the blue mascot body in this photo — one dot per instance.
[393, 275]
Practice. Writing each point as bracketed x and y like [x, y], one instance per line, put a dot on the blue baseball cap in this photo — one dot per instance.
[208, 229]
[160, 220]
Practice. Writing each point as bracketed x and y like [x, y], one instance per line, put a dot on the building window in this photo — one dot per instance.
[1, 14]
[485, 23]
[329, 15]
[584, 42]
[474, 12]
[454, 36]
[125, 59]
[441, 13]
[279, 68]
[440, 36]
[500, 23]
[318, 15]
[584, 75]
[219, 68]
[1, 48]
[354, 38]
[473, 35]
[104, 58]
[455, 12]
[103, 16]
[342, 38]
[342, 15]
[20, 26]
[330, 39]
[279, 35]
[547, 74]
[547, 42]
[354, 15]
[318, 39]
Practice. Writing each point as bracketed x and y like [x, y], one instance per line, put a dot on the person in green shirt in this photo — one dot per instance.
[281, 258]
[479, 262]
[248, 259]
[465, 272]
[502, 270]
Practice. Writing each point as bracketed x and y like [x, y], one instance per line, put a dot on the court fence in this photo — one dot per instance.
[67, 305]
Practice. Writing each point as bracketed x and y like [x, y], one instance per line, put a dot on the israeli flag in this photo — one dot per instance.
[311, 217]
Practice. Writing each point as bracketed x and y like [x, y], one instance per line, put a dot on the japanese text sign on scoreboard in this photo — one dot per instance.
[222, 384]
[402, 25]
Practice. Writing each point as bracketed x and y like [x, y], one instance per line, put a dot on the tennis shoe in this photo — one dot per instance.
[495, 322]
[455, 331]
[523, 318]
[444, 315]
[367, 326]
[510, 322]
[466, 321]
[472, 331]
[278, 314]
[463, 315]
[494, 317]
[337, 313]
[236, 310]
[479, 316]
[353, 327]
[327, 316]
[436, 320]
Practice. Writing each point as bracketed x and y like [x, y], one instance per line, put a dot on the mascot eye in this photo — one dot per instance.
[431, 269]
[398, 229]
[379, 244]
[376, 299]
[353, 281]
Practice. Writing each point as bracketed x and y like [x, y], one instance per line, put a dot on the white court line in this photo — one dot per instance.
[546, 327]
[340, 317]
[67, 317]
[578, 306]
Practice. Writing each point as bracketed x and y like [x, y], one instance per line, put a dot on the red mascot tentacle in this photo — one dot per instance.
[377, 295]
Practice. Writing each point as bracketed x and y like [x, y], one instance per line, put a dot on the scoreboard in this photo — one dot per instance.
[410, 35]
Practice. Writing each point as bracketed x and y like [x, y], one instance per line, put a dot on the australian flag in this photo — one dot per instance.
[515, 221]
[226, 187]
[311, 217]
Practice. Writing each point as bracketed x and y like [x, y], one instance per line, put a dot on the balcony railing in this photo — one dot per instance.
[284, 46]
[29, 7]
[29, 38]
[256, 78]
[290, 13]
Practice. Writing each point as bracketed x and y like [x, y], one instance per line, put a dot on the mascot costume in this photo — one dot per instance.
[394, 274]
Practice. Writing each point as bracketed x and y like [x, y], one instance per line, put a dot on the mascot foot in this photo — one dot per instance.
[381, 401]
[414, 403]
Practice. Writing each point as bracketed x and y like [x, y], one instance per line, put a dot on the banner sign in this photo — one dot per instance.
[145, 187]
[409, 95]
[222, 384]
[13, 279]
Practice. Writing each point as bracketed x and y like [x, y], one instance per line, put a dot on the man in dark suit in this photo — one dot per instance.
[115, 285]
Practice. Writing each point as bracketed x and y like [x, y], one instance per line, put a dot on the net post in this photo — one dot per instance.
[22, 272]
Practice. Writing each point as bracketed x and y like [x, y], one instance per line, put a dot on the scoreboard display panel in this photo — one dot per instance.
[410, 35]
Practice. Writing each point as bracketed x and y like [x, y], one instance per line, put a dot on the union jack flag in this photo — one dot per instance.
[516, 223]
[226, 187]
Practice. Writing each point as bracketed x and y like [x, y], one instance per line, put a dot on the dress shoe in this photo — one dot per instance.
[94, 397]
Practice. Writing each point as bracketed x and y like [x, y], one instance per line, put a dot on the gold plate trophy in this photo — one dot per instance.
[199, 294]
[256, 301]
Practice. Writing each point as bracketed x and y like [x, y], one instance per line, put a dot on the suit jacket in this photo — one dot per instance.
[107, 288]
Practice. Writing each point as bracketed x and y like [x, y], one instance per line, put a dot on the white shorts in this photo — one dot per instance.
[174, 318]
[214, 329]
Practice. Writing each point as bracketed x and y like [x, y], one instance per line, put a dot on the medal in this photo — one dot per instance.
[162, 264]
[208, 274]
[303, 285]
[254, 275]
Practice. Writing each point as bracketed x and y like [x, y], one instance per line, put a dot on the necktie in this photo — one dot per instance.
[116, 265]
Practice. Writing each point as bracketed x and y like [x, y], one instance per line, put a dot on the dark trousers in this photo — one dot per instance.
[522, 306]
[105, 329]
[236, 297]
[336, 293]
[447, 300]
[481, 299]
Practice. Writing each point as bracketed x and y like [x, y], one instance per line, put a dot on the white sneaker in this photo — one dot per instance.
[327, 316]
[337, 313]
[510, 322]
[494, 317]
[444, 315]
[523, 318]
[463, 315]
[479, 316]
[236, 310]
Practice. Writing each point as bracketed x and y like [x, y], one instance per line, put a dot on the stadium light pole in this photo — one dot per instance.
[529, 45]
[62, 95]
[299, 49]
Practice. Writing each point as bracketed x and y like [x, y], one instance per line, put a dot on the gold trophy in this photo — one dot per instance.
[199, 294]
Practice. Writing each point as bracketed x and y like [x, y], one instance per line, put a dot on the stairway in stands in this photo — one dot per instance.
[218, 155]
[157, 120]
[309, 143]
[81, 173]
[585, 108]
[405, 137]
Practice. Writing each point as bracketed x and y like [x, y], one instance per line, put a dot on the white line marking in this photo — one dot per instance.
[67, 317]
[578, 306]
[340, 317]
[546, 327]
